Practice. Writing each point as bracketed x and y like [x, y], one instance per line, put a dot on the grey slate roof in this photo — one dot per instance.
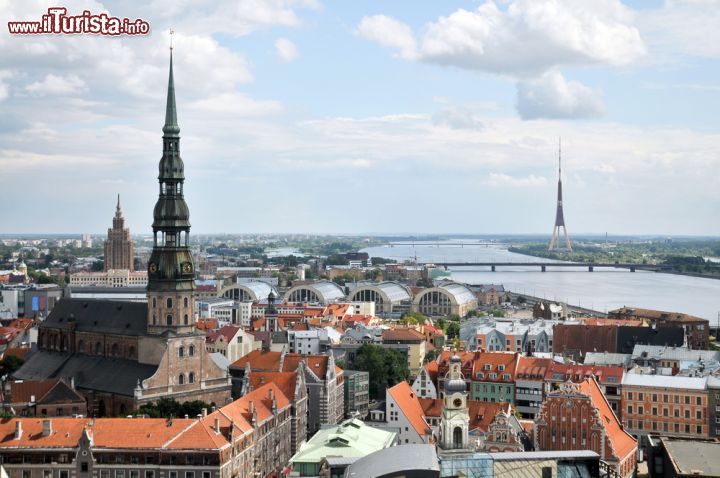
[103, 374]
[395, 459]
[99, 316]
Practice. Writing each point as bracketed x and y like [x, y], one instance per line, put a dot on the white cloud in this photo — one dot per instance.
[683, 27]
[4, 89]
[286, 50]
[57, 85]
[390, 33]
[526, 38]
[457, 118]
[552, 96]
[505, 180]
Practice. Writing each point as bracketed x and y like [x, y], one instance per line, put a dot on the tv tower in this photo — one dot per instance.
[554, 244]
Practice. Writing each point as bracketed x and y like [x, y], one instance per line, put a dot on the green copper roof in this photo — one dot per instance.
[352, 438]
[171, 124]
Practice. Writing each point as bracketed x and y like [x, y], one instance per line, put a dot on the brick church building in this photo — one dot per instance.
[124, 354]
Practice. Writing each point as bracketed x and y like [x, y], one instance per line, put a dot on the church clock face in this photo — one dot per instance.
[457, 402]
[152, 267]
[187, 268]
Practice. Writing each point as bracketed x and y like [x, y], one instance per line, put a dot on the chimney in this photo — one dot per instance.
[251, 409]
[204, 412]
[47, 427]
[18, 430]
[72, 383]
[217, 425]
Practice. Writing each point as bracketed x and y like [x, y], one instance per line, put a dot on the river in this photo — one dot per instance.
[602, 290]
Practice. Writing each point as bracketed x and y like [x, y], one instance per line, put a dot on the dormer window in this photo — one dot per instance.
[487, 366]
[501, 367]
[491, 376]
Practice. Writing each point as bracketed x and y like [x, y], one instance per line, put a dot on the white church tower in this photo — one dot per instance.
[455, 419]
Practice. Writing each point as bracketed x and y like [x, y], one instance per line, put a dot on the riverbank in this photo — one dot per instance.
[712, 269]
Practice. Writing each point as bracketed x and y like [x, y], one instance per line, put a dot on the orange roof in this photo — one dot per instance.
[207, 324]
[532, 367]
[508, 360]
[611, 322]
[432, 370]
[578, 372]
[286, 381]
[301, 327]
[409, 403]
[403, 334]
[622, 442]
[19, 352]
[227, 333]
[33, 390]
[21, 323]
[150, 433]
[481, 413]
[260, 360]
[317, 364]
[465, 357]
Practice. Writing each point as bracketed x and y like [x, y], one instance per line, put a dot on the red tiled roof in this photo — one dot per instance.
[403, 334]
[227, 333]
[532, 368]
[432, 370]
[409, 403]
[578, 372]
[285, 381]
[21, 323]
[19, 352]
[25, 391]
[508, 360]
[611, 322]
[150, 433]
[207, 324]
[622, 442]
[260, 360]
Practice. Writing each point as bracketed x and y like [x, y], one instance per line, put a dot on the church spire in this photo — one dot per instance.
[171, 272]
[171, 125]
[118, 211]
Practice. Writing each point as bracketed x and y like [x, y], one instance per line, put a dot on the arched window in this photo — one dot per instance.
[191, 378]
[81, 347]
[131, 352]
[98, 349]
[154, 302]
[168, 319]
[65, 343]
[457, 437]
[169, 302]
[191, 350]
[186, 319]
[185, 302]
[181, 352]
[114, 350]
[181, 379]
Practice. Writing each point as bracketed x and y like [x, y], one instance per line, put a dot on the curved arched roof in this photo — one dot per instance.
[256, 290]
[457, 293]
[390, 291]
[325, 290]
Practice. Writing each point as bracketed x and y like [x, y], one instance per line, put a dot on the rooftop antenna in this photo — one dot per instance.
[172, 32]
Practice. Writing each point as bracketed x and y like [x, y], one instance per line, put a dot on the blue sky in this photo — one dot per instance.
[369, 117]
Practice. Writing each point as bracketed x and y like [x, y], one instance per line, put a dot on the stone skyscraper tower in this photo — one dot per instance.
[119, 245]
[171, 272]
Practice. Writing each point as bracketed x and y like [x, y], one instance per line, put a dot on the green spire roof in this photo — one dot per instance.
[171, 124]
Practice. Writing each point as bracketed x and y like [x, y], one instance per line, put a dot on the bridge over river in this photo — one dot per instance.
[591, 266]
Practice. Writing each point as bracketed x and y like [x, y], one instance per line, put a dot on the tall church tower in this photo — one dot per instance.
[171, 272]
[119, 253]
[455, 419]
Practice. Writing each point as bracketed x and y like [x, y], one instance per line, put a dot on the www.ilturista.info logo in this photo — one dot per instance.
[58, 21]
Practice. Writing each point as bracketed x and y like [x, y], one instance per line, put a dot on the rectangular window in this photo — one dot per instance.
[698, 429]
[641, 396]
[654, 397]
[134, 474]
[120, 474]
[47, 473]
[630, 409]
[698, 400]
[666, 398]
[698, 414]
[640, 410]
[189, 474]
[629, 396]
[687, 399]
[149, 474]
[206, 474]
[64, 474]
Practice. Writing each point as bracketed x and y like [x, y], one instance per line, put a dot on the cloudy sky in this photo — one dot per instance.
[372, 116]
